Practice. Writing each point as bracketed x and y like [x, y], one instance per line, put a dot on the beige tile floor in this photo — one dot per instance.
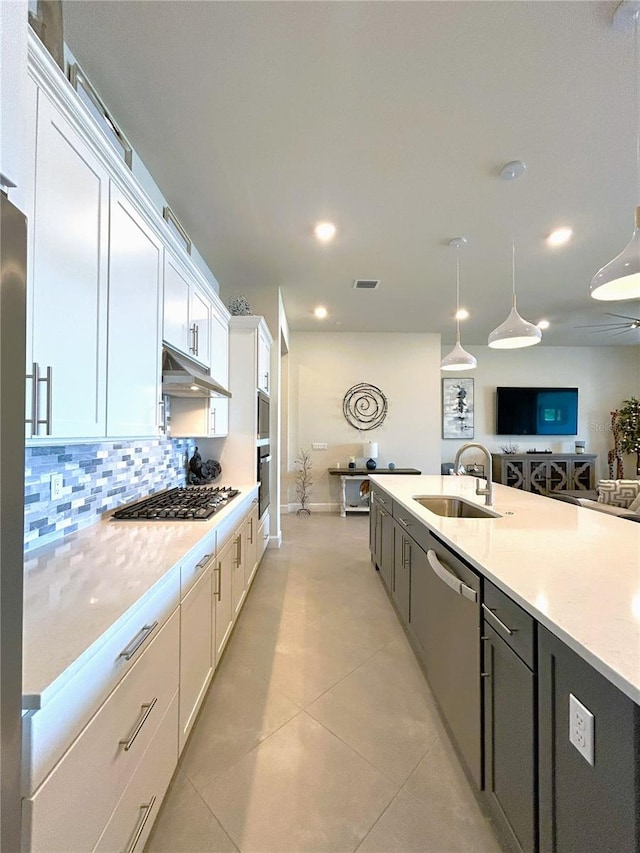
[319, 732]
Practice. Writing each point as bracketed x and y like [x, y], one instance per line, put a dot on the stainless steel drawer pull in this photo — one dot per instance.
[499, 622]
[129, 650]
[145, 811]
[146, 709]
[403, 522]
[203, 562]
[448, 577]
[48, 418]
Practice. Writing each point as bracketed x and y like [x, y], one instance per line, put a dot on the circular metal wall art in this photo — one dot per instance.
[364, 406]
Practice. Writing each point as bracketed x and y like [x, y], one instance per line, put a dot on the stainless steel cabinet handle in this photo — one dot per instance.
[146, 709]
[406, 552]
[218, 590]
[403, 522]
[162, 426]
[265, 458]
[213, 425]
[382, 500]
[266, 381]
[452, 580]
[499, 623]
[203, 562]
[145, 811]
[192, 348]
[131, 648]
[33, 420]
[49, 382]
[197, 339]
[251, 531]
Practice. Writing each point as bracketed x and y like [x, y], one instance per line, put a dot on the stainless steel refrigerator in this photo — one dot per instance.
[13, 259]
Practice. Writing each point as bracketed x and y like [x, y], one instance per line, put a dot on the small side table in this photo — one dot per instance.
[351, 500]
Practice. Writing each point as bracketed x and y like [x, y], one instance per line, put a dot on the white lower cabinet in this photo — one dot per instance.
[70, 809]
[223, 595]
[196, 651]
[251, 545]
[131, 822]
[263, 535]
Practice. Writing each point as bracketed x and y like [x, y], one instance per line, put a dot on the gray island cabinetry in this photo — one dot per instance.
[503, 680]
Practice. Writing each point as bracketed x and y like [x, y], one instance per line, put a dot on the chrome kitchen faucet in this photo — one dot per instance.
[488, 490]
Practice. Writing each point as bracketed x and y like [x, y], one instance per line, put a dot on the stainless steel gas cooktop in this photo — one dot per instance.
[191, 503]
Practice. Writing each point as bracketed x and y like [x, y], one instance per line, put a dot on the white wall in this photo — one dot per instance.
[322, 368]
[605, 376]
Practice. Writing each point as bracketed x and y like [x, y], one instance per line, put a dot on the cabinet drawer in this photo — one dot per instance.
[133, 817]
[505, 616]
[263, 535]
[103, 758]
[48, 733]
[384, 500]
[197, 563]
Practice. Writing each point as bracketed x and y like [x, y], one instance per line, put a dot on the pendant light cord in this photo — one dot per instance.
[457, 294]
[513, 270]
[636, 19]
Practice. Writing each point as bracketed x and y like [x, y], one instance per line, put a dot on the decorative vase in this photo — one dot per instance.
[371, 464]
[392, 466]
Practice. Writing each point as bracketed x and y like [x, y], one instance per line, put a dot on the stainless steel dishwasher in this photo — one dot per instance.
[445, 622]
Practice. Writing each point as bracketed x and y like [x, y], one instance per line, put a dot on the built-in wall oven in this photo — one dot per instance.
[263, 415]
[264, 463]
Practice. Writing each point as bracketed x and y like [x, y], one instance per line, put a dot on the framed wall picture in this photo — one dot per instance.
[457, 408]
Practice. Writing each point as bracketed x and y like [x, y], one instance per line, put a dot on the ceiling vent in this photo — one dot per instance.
[366, 283]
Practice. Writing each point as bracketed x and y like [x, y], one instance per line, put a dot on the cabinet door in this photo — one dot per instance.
[582, 474]
[402, 571]
[219, 348]
[219, 416]
[196, 651]
[387, 549]
[251, 545]
[222, 596]
[200, 325]
[264, 363]
[133, 352]
[175, 328]
[69, 281]
[237, 581]
[509, 739]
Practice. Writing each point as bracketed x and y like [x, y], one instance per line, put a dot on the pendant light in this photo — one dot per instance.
[620, 278]
[458, 359]
[515, 332]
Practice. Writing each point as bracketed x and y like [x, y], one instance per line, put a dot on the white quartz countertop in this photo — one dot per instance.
[77, 589]
[575, 570]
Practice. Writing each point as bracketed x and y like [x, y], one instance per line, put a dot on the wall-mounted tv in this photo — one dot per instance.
[536, 411]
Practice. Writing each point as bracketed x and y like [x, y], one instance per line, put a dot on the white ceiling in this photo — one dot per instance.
[391, 119]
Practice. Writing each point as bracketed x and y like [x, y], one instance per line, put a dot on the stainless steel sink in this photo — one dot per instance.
[454, 507]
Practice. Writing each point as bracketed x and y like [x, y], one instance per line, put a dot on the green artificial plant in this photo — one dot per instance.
[628, 424]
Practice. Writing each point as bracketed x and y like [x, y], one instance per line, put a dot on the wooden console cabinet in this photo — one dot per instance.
[545, 472]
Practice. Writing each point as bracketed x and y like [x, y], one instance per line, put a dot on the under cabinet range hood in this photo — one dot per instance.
[183, 377]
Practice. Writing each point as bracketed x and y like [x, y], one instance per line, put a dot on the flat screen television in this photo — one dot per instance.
[536, 411]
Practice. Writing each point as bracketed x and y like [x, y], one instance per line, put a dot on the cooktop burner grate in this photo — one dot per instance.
[189, 503]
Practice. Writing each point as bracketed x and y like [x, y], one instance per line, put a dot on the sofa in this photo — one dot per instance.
[615, 497]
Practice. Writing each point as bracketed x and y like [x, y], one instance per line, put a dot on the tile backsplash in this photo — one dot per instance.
[96, 478]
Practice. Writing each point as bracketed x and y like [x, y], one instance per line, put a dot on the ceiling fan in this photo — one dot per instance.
[619, 327]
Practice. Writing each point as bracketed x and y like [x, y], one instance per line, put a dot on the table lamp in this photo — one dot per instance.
[371, 454]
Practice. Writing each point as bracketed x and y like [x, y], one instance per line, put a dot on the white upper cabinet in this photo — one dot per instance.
[187, 312]
[133, 353]
[264, 361]
[220, 346]
[13, 93]
[176, 306]
[200, 326]
[68, 280]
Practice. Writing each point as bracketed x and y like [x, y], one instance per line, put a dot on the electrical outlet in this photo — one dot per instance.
[319, 445]
[581, 728]
[56, 487]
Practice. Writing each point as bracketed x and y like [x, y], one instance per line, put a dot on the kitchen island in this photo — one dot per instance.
[531, 646]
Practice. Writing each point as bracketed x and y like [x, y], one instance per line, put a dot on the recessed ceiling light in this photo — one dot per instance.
[320, 312]
[462, 314]
[559, 237]
[543, 324]
[325, 231]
